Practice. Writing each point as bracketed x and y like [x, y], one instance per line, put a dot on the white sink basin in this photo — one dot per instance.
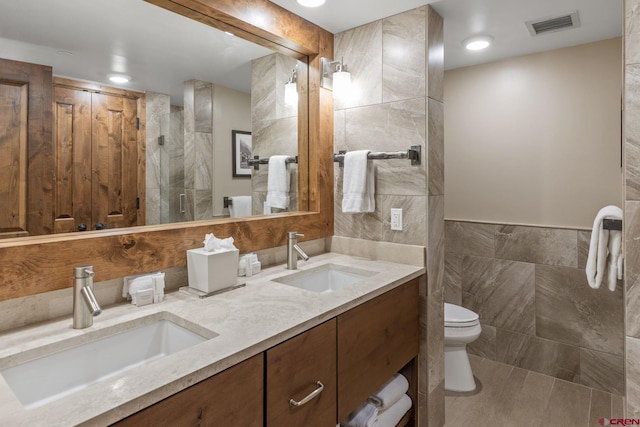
[51, 377]
[326, 278]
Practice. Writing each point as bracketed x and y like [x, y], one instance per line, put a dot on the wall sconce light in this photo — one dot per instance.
[291, 90]
[336, 77]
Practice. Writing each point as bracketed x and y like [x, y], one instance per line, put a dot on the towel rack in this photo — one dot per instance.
[612, 224]
[257, 161]
[413, 153]
[227, 201]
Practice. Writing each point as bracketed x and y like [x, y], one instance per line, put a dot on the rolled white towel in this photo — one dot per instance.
[364, 416]
[390, 392]
[392, 416]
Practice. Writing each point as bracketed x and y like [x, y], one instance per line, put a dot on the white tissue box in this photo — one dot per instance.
[212, 271]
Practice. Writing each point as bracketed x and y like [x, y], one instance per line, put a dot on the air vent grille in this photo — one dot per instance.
[553, 24]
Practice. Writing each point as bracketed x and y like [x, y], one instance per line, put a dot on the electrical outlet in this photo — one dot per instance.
[396, 219]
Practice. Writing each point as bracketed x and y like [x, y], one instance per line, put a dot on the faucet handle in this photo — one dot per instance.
[294, 234]
[83, 271]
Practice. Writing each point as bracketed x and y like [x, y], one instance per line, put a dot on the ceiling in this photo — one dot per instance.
[503, 19]
[88, 39]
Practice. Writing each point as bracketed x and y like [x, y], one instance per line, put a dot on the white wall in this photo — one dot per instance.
[231, 111]
[535, 139]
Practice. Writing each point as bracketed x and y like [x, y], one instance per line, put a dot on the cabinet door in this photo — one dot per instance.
[294, 369]
[72, 136]
[114, 160]
[375, 340]
[233, 397]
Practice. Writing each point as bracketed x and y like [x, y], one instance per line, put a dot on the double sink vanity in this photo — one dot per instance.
[292, 347]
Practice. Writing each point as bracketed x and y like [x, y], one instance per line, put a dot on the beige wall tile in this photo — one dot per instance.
[470, 238]
[539, 245]
[632, 31]
[571, 312]
[633, 377]
[485, 345]
[452, 280]
[403, 56]
[361, 49]
[435, 152]
[501, 292]
[435, 55]
[632, 131]
[602, 371]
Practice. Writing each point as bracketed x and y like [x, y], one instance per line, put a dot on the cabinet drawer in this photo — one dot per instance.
[293, 370]
[233, 397]
[375, 340]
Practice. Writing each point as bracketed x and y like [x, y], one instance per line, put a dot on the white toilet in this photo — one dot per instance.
[461, 327]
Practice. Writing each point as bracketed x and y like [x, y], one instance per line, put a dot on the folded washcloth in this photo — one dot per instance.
[240, 206]
[358, 185]
[364, 416]
[392, 416]
[604, 242]
[278, 182]
[390, 392]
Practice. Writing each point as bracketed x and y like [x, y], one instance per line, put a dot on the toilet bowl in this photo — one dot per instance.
[461, 327]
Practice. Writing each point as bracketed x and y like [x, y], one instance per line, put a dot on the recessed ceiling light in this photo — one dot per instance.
[477, 42]
[311, 3]
[119, 78]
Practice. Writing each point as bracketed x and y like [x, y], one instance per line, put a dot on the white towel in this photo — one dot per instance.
[392, 416]
[605, 242]
[358, 186]
[364, 416]
[390, 392]
[278, 182]
[240, 206]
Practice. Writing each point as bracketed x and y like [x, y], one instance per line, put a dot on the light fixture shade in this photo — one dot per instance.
[311, 3]
[291, 94]
[341, 84]
[478, 42]
[119, 78]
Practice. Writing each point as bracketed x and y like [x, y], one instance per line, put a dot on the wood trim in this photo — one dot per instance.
[25, 263]
[96, 87]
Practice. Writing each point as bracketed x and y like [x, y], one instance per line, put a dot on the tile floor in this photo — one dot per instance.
[509, 396]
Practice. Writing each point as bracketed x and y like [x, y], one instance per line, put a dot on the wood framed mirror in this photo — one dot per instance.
[39, 264]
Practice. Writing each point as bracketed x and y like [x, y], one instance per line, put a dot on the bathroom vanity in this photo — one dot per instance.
[267, 344]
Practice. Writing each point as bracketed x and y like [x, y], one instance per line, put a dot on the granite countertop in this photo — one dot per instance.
[247, 321]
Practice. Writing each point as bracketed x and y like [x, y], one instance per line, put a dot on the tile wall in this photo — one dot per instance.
[537, 311]
[274, 124]
[632, 203]
[397, 70]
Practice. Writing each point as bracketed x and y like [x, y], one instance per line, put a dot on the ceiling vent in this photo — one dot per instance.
[553, 24]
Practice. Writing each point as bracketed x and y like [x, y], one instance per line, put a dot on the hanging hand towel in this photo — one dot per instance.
[240, 206]
[604, 242]
[278, 182]
[358, 185]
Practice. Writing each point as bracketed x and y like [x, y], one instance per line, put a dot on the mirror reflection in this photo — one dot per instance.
[172, 144]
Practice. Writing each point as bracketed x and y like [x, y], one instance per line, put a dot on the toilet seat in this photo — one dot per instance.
[459, 317]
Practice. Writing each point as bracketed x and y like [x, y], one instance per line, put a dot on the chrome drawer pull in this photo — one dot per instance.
[311, 395]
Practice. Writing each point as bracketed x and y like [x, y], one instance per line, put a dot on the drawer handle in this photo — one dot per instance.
[311, 395]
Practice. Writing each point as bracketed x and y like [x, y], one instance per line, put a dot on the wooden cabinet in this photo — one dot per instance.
[349, 357]
[376, 340]
[96, 159]
[233, 397]
[298, 368]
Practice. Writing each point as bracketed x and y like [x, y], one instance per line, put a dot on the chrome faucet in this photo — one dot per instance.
[293, 251]
[85, 305]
